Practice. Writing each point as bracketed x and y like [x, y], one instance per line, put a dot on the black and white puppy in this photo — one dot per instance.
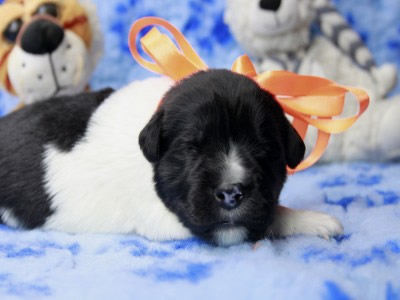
[216, 148]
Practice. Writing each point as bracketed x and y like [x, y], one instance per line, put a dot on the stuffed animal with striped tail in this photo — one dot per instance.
[338, 31]
[277, 34]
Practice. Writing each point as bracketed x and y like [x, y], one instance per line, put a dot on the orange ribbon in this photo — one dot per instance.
[309, 100]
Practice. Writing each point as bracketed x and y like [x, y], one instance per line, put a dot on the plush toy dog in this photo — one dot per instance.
[47, 47]
[277, 34]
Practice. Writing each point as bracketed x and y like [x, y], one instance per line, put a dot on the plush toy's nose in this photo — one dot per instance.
[41, 36]
[270, 4]
[229, 197]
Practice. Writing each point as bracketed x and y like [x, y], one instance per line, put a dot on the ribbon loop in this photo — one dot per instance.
[310, 100]
[168, 59]
[244, 66]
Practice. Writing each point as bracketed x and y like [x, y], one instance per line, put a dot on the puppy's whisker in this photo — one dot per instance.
[271, 235]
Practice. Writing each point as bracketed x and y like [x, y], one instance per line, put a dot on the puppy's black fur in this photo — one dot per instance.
[23, 135]
[201, 119]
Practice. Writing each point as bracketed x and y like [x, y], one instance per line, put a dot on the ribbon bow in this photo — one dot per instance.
[309, 100]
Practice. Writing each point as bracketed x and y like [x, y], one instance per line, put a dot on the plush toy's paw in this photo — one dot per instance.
[291, 222]
[386, 78]
[387, 136]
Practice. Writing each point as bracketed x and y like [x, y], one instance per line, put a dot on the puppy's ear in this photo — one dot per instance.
[295, 147]
[150, 137]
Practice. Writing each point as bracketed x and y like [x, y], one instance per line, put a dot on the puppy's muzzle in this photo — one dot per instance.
[42, 35]
[230, 197]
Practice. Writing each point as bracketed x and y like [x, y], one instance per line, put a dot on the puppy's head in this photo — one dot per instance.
[220, 145]
[47, 47]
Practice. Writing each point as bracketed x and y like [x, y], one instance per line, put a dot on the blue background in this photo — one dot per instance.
[201, 21]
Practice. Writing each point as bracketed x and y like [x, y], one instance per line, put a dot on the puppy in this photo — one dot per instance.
[211, 162]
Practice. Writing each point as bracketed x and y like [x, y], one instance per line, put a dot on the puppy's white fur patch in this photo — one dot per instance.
[230, 236]
[233, 170]
[8, 218]
[104, 184]
[292, 222]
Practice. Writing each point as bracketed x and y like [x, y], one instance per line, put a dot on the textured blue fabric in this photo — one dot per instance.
[364, 263]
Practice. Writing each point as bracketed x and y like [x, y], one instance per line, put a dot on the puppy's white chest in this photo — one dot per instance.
[104, 184]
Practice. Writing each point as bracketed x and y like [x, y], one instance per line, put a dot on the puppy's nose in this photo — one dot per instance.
[270, 4]
[230, 197]
[42, 36]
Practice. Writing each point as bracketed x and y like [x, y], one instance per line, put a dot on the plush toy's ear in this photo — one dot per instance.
[150, 138]
[294, 147]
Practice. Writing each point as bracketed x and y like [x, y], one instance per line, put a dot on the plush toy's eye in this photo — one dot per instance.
[47, 9]
[12, 30]
[272, 5]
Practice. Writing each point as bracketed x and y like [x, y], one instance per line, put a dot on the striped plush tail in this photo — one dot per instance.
[336, 28]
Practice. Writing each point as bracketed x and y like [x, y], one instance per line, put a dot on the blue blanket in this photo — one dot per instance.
[364, 263]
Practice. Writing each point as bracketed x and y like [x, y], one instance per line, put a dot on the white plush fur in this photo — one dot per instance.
[37, 77]
[104, 184]
[258, 31]
[375, 136]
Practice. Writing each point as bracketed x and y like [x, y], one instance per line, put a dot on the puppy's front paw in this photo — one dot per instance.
[293, 222]
[320, 224]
